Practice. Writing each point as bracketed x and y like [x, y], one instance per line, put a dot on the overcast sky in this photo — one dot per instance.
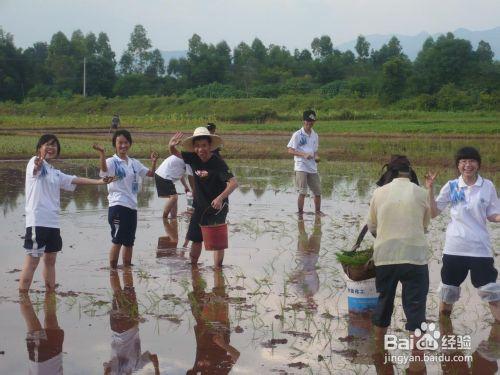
[293, 23]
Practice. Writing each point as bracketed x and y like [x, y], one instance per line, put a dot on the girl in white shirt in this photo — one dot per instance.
[122, 197]
[43, 188]
[473, 200]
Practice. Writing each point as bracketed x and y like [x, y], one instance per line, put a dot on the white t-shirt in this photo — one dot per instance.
[126, 352]
[189, 170]
[467, 234]
[172, 168]
[53, 366]
[123, 192]
[43, 192]
[308, 143]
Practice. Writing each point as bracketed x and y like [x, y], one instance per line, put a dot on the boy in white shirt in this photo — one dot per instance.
[304, 147]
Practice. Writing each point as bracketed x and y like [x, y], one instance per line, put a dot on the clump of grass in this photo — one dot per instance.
[354, 258]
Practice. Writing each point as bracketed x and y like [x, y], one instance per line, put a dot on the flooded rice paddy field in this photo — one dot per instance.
[278, 306]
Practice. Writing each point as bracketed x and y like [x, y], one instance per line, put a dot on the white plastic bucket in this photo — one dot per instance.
[361, 295]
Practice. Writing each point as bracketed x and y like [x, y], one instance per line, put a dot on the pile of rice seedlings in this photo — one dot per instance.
[354, 258]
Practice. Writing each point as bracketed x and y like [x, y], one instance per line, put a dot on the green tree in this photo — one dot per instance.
[447, 60]
[138, 57]
[322, 47]
[387, 51]
[395, 73]
[484, 53]
[362, 48]
[11, 69]
[62, 65]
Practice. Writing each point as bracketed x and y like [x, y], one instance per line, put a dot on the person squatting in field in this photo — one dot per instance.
[473, 201]
[214, 182]
[122, 197]
[43, 189]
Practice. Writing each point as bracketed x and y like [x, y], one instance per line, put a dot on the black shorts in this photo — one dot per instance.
[194, 230]
[456, 267]
[123, 223]
[46, 240]
[415, 281]
[164, 187]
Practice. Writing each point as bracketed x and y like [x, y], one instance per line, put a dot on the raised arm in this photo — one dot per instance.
[174, 141]
[102, 157]
[154, 158]
[429, 184]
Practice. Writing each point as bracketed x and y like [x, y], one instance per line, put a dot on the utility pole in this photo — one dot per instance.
[84, 77]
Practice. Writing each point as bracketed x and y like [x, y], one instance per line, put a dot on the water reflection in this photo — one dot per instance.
[484, 359]
[305, 275]
[214, 354]
[45, 343]
[124, 320]
[170, 241]
[343, 179]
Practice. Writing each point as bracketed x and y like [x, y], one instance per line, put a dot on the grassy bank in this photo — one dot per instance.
[420, 123]
[237, 114]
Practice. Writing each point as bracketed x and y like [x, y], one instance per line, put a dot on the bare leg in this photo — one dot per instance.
[317, 204]
[29, 267]
[495, 310]
[445, 308]
[186, 241]
[49, 271]
[114, 281]
[195, 252]
[29, 314]
[114, 253]
[127, 256]
[379, 333]
[50, 308]
[218, 258]
[170, 207]
[300, 203]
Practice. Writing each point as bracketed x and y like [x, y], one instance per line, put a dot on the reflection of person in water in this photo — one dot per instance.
[44, 344]
[214, 355]
[124, 320]
[171, 239]
[305, 275]
[484, 359]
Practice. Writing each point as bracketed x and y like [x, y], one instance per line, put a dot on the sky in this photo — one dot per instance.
[292, 23]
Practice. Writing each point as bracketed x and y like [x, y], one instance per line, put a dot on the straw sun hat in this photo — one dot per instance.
[202, 131]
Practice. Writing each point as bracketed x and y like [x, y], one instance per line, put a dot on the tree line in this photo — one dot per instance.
[444, 66]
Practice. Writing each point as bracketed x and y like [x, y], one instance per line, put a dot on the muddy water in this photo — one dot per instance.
[278, 306]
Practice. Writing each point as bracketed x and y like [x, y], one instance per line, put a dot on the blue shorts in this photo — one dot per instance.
[456, 267]
[415, 282]
[44, 240]
[123, 223]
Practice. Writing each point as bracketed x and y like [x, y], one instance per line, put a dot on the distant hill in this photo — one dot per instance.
[413, 44]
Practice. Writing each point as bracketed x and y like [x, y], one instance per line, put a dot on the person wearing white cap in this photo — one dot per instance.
[213, 180]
